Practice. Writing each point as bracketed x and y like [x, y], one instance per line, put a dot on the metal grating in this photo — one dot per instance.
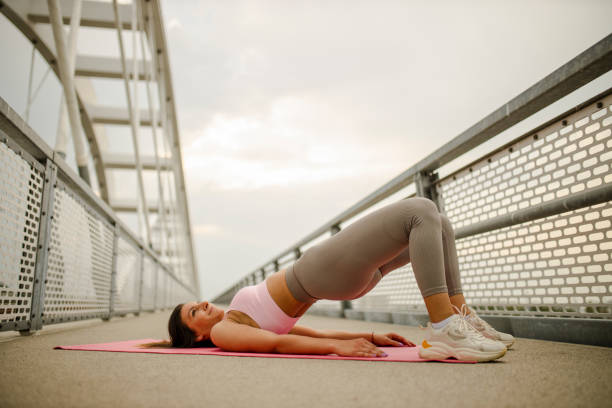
[127, 281]
[397, 291]
[149, 272]
[555, 266]
[567, 157]
[80, 260]
[21, 185]
[324, 304]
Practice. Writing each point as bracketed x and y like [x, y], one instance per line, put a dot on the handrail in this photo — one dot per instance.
[587, 66]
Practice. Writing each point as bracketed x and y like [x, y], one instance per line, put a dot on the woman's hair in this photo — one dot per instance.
[180, 335]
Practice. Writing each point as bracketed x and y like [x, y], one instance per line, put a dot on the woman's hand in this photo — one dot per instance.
[357, 348]
[391, 339]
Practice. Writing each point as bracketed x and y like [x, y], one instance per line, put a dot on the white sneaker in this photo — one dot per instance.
[486, 329]
[460, 340]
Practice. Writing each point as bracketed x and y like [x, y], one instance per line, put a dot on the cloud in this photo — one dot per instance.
[207, 229]
[283, 146]
[174, 24]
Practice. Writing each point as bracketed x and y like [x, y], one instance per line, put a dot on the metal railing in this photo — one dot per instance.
[532, 219]
[64, 254]
[159, 208]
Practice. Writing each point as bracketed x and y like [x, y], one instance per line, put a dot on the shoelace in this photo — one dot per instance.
[465, 325]
[474, 317]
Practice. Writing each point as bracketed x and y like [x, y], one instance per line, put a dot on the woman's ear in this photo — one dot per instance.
[199, 338]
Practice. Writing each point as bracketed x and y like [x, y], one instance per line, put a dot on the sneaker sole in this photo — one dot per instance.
[507, 343]
[442, 351]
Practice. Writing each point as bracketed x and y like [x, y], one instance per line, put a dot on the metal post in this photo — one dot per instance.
[425, 187]
[113, 286]
[141, 282]
[155, 277]
[69, 90]
[42, 254]
[163, 288]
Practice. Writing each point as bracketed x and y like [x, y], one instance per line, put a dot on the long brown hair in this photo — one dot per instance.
[180, 335]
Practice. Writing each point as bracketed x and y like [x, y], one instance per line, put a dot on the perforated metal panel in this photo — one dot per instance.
[555, 266]
[21, 185]
[127, 281]
[397, 291]
[325, 304]
[558, 265]
[568, 157]
[149, 272]
[80, 260]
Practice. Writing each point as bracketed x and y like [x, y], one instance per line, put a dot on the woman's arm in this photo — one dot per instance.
[241, 337]
[389, 339]
[329, 334]
[232, 336]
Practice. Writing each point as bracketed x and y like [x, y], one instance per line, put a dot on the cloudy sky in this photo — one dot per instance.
[292, 111]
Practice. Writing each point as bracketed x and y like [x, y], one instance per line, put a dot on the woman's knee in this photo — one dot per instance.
[447, 227]
[425, 208]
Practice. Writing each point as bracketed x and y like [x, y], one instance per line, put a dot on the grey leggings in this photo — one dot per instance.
[350, 263]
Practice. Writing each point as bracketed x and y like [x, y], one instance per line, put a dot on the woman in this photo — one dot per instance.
[348, 265]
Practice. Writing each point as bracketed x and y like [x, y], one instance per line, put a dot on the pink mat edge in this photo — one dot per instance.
[129, 346]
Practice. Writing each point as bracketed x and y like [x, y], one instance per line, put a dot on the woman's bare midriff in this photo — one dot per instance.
[277, 286]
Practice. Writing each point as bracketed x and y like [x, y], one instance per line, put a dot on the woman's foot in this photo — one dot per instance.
[486, 329]
[460, 340]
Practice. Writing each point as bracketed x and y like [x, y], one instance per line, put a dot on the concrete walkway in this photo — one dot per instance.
[534, 373]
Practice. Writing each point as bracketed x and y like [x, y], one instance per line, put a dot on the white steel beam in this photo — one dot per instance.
[126, 161]
[116, 116]
[107, 67]
[94, 14]
[127, 205]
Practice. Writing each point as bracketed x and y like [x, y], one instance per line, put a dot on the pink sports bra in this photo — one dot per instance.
[257, 303]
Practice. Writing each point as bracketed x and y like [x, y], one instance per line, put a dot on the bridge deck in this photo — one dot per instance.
[535, 373]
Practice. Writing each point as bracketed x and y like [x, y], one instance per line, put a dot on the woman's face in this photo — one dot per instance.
[200, 318]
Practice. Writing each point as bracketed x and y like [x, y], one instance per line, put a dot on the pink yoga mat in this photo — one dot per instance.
[130, 346]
